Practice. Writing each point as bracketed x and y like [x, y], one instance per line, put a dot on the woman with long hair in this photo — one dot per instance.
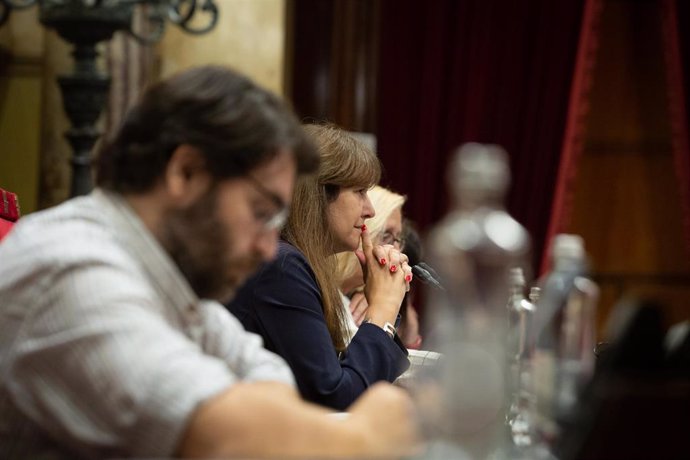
[386, 227]
[294, 302]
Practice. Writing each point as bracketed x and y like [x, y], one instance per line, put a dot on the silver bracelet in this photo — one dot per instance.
[389, 329]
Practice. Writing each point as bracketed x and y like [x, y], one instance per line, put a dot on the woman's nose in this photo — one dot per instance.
[368, 210]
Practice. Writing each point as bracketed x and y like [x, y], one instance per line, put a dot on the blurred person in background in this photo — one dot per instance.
[410, 327]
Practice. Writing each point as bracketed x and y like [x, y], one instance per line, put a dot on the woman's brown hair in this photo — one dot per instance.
[345, 162]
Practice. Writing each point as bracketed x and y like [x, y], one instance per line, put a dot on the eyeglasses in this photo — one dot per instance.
[392, 239]
[274, 221]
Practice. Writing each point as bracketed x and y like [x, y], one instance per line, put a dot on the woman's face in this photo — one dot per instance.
[346, 215]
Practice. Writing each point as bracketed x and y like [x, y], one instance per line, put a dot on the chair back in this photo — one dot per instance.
[9, 211]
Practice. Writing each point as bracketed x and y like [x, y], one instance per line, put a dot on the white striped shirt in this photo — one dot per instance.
[104, 348]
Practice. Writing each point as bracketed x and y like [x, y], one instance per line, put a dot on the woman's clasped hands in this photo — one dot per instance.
[387, 276]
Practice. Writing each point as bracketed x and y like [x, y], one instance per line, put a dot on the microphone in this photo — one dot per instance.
[428, 275]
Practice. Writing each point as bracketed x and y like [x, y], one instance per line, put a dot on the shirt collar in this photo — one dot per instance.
[145, 248]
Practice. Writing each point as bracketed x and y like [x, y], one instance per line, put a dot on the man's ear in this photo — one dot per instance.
[186, 176]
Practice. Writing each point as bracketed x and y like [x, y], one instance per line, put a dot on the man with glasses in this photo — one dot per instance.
[106, 349]
[277, 219]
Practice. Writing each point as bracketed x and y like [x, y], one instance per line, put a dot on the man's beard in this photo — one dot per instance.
[200, 245]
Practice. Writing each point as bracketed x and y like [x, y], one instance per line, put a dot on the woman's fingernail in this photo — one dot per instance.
[393, 268]
[364, 228]
[382, 261]
[408, 277]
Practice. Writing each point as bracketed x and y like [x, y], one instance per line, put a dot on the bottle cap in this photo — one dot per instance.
[517, 277]
[481, 168]
[568, 246]
[534, 293]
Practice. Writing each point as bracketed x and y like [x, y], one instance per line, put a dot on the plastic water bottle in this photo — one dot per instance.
[564, 351]
[519, 417]
[519, 316]
[473, 249]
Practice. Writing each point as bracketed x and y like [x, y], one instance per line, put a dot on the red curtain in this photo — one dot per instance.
[676, 29]
[453, 71]
[573, 137]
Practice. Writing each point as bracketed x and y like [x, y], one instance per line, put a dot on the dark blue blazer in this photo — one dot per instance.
[282, 303]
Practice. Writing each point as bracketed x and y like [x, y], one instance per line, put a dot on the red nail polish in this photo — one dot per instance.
[408, 277]
[383, 261]
[393, 268]
[364, 228]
